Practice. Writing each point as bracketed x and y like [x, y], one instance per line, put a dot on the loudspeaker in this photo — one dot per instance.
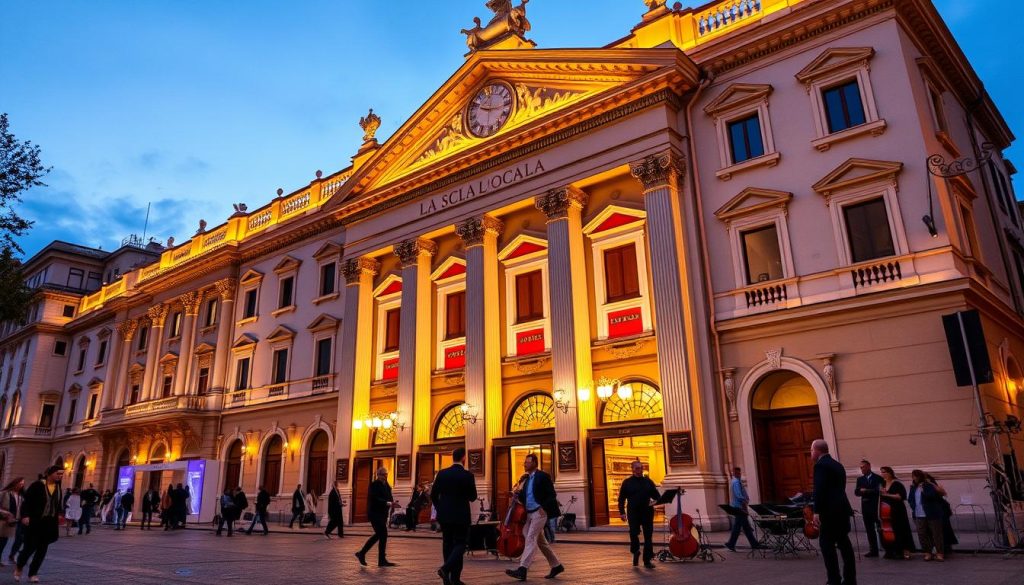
[961, 326]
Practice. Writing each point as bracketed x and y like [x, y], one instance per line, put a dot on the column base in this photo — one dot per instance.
[704, 492]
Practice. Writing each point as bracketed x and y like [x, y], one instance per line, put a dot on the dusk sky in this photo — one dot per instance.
[194, 105]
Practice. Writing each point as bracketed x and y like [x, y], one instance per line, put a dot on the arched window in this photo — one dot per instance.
[382, 436]
[643, 402]
[233, 465]
[316, 463]
[272, 465]
[450, 424]
[533, 413]
[123, 460]
[159, 454]
[80, 472]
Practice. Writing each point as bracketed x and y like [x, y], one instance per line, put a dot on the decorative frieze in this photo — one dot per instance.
[658, 170]
[556, 203]
[409, 251]
[353, 268]
[473, 230]
[157, 314]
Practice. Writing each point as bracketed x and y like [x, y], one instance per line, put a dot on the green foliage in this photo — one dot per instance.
[14, 295]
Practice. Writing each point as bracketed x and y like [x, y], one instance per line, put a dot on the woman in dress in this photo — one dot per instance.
[10, 511]
[311, 501]
[72, 511]
[894, 493]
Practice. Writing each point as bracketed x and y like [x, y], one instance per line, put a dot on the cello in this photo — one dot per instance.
[511, 540]
[682, 544]
[885, 522]
[811, 529]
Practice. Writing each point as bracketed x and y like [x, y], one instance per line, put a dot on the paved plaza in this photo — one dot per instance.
[196, 556]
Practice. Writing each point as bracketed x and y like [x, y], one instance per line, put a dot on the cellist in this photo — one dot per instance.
[636, 506]
[538, 495]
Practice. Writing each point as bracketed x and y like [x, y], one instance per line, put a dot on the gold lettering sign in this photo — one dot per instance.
[474, 189]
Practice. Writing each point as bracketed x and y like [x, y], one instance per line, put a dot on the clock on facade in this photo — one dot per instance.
[489, 109]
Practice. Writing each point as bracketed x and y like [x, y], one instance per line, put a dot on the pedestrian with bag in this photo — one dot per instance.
[10, 511]
[40, 511]
[227, 512]
[298, 507]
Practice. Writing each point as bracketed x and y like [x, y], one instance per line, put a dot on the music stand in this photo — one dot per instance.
[666, 497]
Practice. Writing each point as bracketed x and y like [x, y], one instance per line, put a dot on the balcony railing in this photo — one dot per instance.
[275, 392]
[164, 404]
[28, 432]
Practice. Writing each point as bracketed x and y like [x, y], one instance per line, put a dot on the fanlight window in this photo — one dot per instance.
[451, 424]
[384, 436]
[533, 413]
[643, 403]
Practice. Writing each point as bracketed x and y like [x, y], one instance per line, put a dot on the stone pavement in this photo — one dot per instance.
[196, 556]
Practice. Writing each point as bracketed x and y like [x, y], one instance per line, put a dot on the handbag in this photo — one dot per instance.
[247, 516]
[309, 518]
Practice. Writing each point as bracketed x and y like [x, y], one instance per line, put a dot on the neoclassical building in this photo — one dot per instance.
[699, 246]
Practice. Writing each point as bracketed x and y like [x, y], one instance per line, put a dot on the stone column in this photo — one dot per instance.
[190, 301]
[225, 325]
[414, 346]
[570, 325]
[483, 337]
[120, 357]
[157, 315]
[354, 369]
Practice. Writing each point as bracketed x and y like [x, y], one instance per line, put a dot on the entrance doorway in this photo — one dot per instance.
[316, 467]
[508, 468]
[364, 470]
[233, 466]
[785, 420]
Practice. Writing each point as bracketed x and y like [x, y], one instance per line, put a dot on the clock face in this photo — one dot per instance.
[490, 109]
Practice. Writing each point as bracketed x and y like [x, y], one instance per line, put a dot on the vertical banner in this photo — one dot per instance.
[194, 480]
[125, 478]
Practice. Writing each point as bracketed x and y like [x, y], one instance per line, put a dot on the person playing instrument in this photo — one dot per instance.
[869, 485]
[412, 511]
[636, 506]
[381, 502]
[832, 512]
[926, 503]
[538, 495]
[453, 491]
[894, 493]
[739, 500]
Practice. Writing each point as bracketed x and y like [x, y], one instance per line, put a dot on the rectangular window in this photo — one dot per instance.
[76, 277]
[101, 356]
[46, 416]
[621, 279]
[455, 315]
[867, 227]
[937, 110]
[323, 357]
[250, 304]
[71, 410]
[972, 235]
[95, 280]
[745, 139]
[143, 335]
[242, 374]
[280, 373]
[203, 380]
[762, 258]
[175, 328]
[81, 360]
[135, 394]
[211, 313]
[1000, 193]
[843, 106]
[69, 311]
[92, 406]
[327, 278]
[168, 386]
[287, 287]
[392, 320]
[60, 347]
[529, 297]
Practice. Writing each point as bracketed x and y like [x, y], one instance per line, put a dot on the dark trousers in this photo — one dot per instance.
[638, 523]
[411, 518]
[453, 547]
[19, 540]
[147, 517]
[229, 520]
[335, 522]
[296, 515]
[260, 517]
[835, 534]
[86, 522]
[870, 512]
[36, 544]
[380, 538]
[741, 522]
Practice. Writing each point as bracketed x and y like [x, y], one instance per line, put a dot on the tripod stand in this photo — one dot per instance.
[1001, 483]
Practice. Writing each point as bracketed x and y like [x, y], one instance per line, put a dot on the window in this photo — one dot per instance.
[75, 277]
[250, 304]
[242, 374]
[167, 387]
[287, 288]
[745, 139]
[280, 373]
[143, 335]
[81, 360]
[92, 406]
[455, 315]
[391, 329]
[101, 356]
[762, 258]
[46, 416]
[323, 357]
[969, 231]
[203, 380]
[938, 112]
[327, 278]
[135, 394]
[272, 465]
[95, 280]
[620, 275]
[60, 347]
[210, 318]
[867, 227]
[69, 311]
[175, 328]
[71, 410]
[843, 107]
[529, 297]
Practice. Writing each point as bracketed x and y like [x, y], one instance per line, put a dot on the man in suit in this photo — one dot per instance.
[380, 504]
[869, 485]
[262, 503]
[453, 491]
[298, 507]
[538, 496]
[832, 512]
[334, 512]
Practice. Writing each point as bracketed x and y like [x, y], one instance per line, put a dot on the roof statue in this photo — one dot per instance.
[369, 123]
[509, 22]
[654, 4]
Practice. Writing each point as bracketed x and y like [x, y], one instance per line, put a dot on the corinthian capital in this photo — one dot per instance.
[409, 251]
[127, 329]
[157, 314]
[556, 203]
[226, 288]
[354, 268]
[190, 301]
[658, 170]
[473, 230]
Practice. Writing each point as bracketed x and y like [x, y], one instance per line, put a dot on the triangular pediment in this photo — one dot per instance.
[244, 340]
[287, 264]
[281, 332]
[324, 321]
[736, 95]
[204, 348]
[614, 218]
[327, 251]
[95, 382]
[392, 284]
[453, 266]
[136, 367]
[75, 388]
[834, 59]
[750, 200]
[523, 247]
[855, 172]
[169, 357]
[251, 276]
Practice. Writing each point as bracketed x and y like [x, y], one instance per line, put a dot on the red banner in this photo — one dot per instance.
[455, 357]
[625, 322]
[531, 341]
[390, 369]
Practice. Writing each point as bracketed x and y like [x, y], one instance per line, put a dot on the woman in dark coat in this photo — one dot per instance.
[39, 512]
[894, 493]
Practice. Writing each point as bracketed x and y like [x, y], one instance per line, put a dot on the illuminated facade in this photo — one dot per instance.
[698, 246]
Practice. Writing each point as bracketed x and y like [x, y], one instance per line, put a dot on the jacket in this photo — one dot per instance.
[34, 506]
[10, 502]
[334, 511]
[830, 501]
[868, 498]
[298, 503]
[931, 501]
[453, 491]
[127, 501]
[262, 501]
[241, 501]
[544, 493]
[379, 499]
[90, 497]
[635, 497]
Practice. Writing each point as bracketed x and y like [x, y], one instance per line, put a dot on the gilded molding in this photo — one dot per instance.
[354, 268]
[473, 230]
[127, 328]
[157, 314]
[659, 170]
[226, 288]
[191, 301]
[556, 203]
[409, 251]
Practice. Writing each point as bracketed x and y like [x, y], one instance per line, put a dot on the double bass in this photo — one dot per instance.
[511, 540]
[682, 544]
[885, 522]
[811, 529]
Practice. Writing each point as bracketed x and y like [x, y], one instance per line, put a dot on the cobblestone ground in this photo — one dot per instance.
[196, 556]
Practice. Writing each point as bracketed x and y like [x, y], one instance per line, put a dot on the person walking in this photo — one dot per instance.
[335, 512]
[107, 507]
[241, 502]
[124, 509]
[39, 515]
[739, 500]
[90, 497]
[179, 503]
[227, 512]
[381, 502]
[311, 501]
[538, 496]
[832, 512]
[868, 488]
[10, 512]
[150, 505]
[72, 511]
[167, 509]
[262, 503]
[453, 492]
[637, 497]
[925, 501]
[298, 507]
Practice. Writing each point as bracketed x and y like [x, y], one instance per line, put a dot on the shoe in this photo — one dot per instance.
[387, 564]
[362, 558]
[940, 558]
[444, 576]
[266, 532]
[871, 555]
[17, 575]
[554, 572]
[928, 556]
[648, 564]
[636, 559]
[33, 579]
[519, 573]
[731, 548]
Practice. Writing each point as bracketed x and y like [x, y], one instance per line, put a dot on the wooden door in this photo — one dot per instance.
[502, 463]
[362, 475]
[425, 472]
[788, 441]
[598, 484]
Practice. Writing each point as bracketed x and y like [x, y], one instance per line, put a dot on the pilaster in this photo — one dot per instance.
[190, 301]
[157, 315]
[120, 348]
[225, 326]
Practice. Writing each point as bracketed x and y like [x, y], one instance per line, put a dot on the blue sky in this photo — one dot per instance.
[195, 104]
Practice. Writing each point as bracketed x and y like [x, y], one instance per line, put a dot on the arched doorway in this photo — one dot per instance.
[272, 465]
[233, 465]
[530, 426]
[79, 482]
[785, 419]
[316, 463]
[156, 477]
